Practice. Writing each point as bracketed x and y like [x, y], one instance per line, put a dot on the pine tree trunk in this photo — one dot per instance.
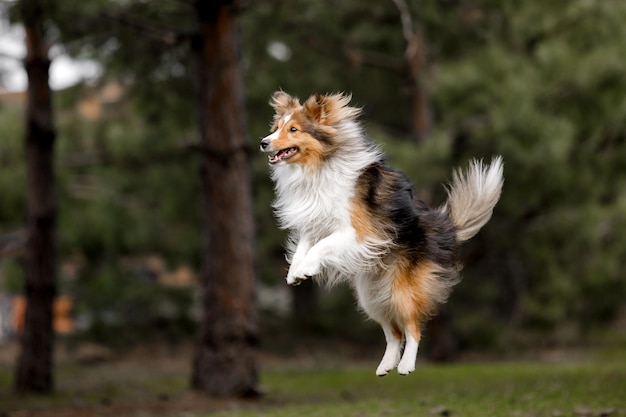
[441, 338]
[224, 363]
[421, 118]
[305, 304]
[34, 367]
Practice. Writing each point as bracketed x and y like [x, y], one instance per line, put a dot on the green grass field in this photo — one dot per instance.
[478, 389]
[594, 385]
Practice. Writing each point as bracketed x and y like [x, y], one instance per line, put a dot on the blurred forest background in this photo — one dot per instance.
[440, 81]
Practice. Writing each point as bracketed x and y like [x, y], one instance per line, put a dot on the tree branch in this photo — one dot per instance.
[4, 55]
[104, 158]
[13, 243]
[414, 57]
[414, 52]
[168, 36]
[374, 59]
[407, 26]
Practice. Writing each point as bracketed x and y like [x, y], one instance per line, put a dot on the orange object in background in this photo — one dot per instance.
[19, 311]
[62, 320]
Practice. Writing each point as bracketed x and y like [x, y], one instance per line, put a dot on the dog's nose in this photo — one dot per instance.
[264, 144]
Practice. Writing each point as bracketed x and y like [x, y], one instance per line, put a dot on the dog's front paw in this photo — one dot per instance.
[303, 270]
[295, 280]
[294, 277]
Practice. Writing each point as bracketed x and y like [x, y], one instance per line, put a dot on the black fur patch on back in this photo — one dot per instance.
[419, 231]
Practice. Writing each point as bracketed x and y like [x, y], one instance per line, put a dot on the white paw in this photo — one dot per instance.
[293, 280]
[407, 363]
[405, 367]
[382, 370]
[388, 362]
[303, 270]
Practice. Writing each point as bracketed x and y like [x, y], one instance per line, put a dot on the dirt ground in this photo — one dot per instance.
[153, 380]
[92, 380]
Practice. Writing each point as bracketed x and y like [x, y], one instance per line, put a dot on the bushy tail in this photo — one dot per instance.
[473, 195]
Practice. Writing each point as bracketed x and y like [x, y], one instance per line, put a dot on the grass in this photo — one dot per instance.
[478, 389]
[593, 386]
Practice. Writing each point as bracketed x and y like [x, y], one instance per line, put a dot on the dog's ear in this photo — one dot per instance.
[330, 109]
[282, 102]
[314, 107]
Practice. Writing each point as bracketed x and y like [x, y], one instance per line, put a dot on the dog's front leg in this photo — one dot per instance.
[328, 251]
[304, 244]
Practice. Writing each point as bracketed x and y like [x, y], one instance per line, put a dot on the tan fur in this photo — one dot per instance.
[362, 222]
[412, 294]
[396, 329]
[366, 223]
[332, 108]
[283, 102]
[310, 151]
[322, 110]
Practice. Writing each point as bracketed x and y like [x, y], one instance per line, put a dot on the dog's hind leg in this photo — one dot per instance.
[393, 336]
[412, 334]
[412, 303]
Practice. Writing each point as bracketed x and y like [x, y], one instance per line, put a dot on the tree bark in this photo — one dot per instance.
[421, 118]
[415, 60]
[305, 300]
[441, 338]
[305, 304]
[34, 367]
[224, 364]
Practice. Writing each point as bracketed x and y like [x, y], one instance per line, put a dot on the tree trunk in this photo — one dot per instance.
[34, 367]
[415, 61]
[305, 304]
[421, 118]
[224, 363]
[442, 342]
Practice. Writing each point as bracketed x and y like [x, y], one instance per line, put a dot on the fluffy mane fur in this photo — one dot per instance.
[354, 218]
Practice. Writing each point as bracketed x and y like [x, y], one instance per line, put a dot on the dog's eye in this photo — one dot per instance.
[293, 129]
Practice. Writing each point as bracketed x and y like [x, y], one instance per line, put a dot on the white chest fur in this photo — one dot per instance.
[316, 203]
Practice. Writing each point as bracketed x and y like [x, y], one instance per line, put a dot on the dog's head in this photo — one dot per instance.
[306, 133]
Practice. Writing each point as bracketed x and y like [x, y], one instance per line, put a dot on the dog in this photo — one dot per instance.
[352, 217]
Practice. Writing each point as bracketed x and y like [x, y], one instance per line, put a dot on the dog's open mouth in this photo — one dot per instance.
[283, 155]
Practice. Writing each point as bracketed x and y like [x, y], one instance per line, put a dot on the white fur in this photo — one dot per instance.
[272, 136]
[392, 352]
[407, 363]
[473, 195]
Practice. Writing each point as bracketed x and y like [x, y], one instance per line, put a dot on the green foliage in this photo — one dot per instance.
[540, 84]
[12, 276]
[122, 307]
[544, 95]
[13, 178]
